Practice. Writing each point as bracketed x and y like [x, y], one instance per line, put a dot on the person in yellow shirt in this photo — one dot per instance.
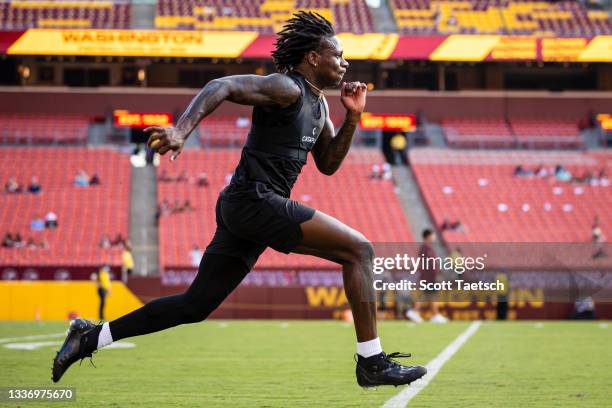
[104, 287]
[127, 261]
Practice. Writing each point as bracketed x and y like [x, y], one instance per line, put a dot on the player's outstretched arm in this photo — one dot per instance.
[331, 148]
[272, 90]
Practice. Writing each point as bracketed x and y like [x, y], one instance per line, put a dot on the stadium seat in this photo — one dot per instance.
[19, 128]
[22, 14]
[535, 133]
[263, 16]
[546, 18]
[479, 189]
[478, 132]
[84, 214]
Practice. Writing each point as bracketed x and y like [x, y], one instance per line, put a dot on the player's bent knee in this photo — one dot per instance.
[362, 250]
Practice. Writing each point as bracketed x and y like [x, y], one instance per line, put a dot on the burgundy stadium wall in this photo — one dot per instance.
[256, 300]
[435, 105]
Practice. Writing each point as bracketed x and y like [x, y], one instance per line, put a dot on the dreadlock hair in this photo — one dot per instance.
[302, 33]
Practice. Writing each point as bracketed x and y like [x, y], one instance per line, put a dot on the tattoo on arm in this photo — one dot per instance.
[271, 90]
[205, 102]
[330, 150]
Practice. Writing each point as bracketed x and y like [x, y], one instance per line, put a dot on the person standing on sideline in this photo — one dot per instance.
[127, 261]
[103, 282]
[428, 273]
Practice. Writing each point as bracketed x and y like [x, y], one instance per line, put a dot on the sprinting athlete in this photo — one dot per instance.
[290, 119]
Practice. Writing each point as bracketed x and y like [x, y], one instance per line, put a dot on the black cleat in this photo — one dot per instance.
[75, 347]
[381, 369]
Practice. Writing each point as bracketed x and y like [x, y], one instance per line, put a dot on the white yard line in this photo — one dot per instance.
[38, 336]
[401, 399]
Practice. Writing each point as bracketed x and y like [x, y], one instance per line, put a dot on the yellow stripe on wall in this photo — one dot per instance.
[386, 47]
[598, 50]
[362, 46]
[134, 43]
[465, 48]
[54, 300]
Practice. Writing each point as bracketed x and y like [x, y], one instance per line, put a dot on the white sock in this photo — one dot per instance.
[104, 338]
[369, 348]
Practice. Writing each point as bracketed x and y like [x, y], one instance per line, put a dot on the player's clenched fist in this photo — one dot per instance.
[165, 139]
[353, 96]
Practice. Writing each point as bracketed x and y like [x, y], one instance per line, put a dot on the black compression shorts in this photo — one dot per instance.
[246, 226]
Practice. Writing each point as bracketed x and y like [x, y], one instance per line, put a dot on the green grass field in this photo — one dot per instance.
[310, 364]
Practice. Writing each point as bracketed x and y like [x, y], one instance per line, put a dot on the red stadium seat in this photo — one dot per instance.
[84, 214]
[18, 128]
[470, 186]
[21, 15]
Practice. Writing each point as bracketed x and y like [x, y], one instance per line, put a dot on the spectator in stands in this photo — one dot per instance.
[18, 241]
[448, 225]
[203, 180]
[164, 177]
[187, 206]
[562, 174]
[81, 179]
[12, 186]
[196, 255]
[37, 224]
[119, 240]
[7, 241]
[34, 186]
[603, 178]
[387, 173]
[32, 244]
[541, 171]
[105, 242]
[520, 171]
[51, 220]
[127, 261]
[376, 172]
[586, 178]
[182, 177]
[383, 172]
[176, 207]
[94, 180]
[163, 209]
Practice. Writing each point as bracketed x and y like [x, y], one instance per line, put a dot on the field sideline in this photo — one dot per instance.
[310, 364]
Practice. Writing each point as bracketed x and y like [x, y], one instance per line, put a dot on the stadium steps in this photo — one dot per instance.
[414, 206]
[143, 228]
[142, 15]
[592, 139]
[435, 135]
[382, 18]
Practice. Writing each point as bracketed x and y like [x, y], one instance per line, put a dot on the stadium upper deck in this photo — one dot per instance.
[541, 18]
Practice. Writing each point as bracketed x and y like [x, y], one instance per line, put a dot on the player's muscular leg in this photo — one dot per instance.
[328, 238]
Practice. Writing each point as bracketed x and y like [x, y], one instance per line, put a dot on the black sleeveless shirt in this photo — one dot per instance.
[277, 145]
